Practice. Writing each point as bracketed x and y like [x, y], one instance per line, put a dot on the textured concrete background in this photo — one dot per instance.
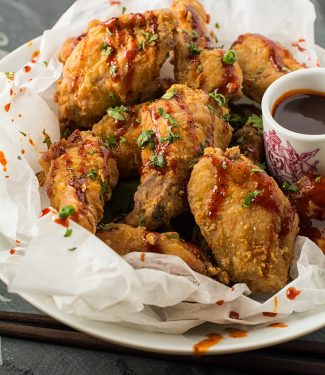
[20, 21]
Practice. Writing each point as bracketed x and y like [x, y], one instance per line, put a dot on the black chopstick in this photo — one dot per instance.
[296, 357]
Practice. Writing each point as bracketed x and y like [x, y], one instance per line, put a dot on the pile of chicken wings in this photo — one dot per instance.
[196, 152]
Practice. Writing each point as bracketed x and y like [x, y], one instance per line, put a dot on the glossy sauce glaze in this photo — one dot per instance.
[301, 111]
[203, 346]
[236, 333]
[292, 293]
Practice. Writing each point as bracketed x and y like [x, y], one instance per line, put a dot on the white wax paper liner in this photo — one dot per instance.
[160, 292]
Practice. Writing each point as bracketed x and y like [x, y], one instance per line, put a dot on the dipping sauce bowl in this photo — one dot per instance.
[292, 154]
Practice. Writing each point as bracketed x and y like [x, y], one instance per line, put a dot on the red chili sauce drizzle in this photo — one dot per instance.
[230, 80]
[292, 293]
[233, 315]
[236, 333]
[45, 211]
[270, 314]
[27, 69]
[298, 46]
[278, 325]
[3, 161]
[63, 222]
[220, 302]
[7, 107]
[204, 345]
[219, 192]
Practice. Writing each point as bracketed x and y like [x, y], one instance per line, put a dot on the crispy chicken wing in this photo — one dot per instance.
[82, 173]
[125, 239]
[120, 136]
[262, 61]
[198, 64]
[245, 218]
[176, 129]
[309, 201]
[112, 63]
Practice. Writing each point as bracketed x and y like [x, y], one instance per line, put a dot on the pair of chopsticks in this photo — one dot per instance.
[295, 357]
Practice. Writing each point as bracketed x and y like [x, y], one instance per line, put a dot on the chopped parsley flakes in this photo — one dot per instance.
[250, 198]
[158, 161]
[169, 94]
[194, 49]
[66, 211]
[115, 112]
[146, 139]
[165, 115]
[218, 98]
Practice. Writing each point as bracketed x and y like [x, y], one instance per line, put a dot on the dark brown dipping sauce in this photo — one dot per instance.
[301, 111]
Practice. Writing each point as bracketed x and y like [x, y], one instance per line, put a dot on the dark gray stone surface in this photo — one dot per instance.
[20, 21]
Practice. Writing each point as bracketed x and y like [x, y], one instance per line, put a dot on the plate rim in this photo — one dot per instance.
[81, 323]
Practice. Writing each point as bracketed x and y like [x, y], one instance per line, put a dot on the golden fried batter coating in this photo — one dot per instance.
[82, 173]
[118, 61]
[125, 239]
[245, 218]
[198, 64]
[176, 129]
[120, 136]
[309, 201]
[262, 61]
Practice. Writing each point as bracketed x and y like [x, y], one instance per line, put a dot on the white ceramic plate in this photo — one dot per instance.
[298, 324]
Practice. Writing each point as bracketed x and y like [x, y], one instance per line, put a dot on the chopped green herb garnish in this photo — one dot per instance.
[141, 45]
[200, 68]
[169, 94]
[115, 112]
[24, 134]
[153, 38]
[250, 198]
[107, 226]
[256, 122]
[19, 157]
[262, 166]
[172, 235]
[105, 49]
[236, 120]
[165, 115]
[318, 178]
[68, 232]
[158, 160]
[112, 70]
[92, 174]
[45, 63]
[123, 10]
[108, 31]
[256, 170]
[146, 139]
[141, 220]
[240, 140]
[103, 190]
[138, 119]
[193, 34]
[171, 137]
[10, 75]
[47, 139]
[193, 48]
[111, 142]
[216, 25]
[72, 249]
[122, 139]
[230, 57]
[212, 109]
[112, 96]
[218, 98]
[293, 188]
[66, 211]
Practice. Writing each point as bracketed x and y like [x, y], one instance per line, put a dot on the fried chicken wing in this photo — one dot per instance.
[176, 129]
[262, 61]
[309, 202]
[125, 239]
[245, 218]
[249, 138]
[112, 64]
[120, 136]
[198, 64]
[82, 173]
